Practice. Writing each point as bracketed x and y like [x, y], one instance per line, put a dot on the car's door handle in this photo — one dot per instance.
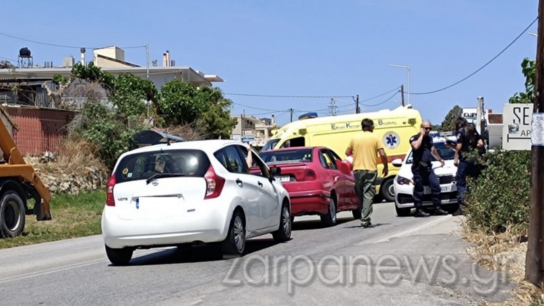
[260, 184]
[239, 182]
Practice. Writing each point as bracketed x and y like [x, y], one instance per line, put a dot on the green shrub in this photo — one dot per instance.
[104, 128]
[500, 197]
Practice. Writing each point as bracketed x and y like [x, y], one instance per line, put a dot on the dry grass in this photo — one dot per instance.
[75, 156]
[505, 252]
[188, 132]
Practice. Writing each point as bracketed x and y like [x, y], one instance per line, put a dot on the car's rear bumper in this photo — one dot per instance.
[206, 225]
[309, 202]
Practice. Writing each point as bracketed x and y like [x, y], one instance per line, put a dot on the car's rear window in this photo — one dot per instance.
[141, 166]
[291, 156]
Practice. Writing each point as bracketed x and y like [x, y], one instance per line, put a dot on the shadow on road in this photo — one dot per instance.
[316, 224]
[188, 254]
[371, 226]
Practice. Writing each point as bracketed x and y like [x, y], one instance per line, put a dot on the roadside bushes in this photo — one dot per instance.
[109, 132]
[500, 197]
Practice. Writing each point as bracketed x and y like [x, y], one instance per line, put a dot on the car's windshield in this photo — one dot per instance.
[167, 163]
[269, 145]
[289, 156]
[444, 151]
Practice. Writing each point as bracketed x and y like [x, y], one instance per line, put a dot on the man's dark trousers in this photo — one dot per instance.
[424, 175]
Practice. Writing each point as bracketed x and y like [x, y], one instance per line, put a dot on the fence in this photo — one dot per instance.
[40, 129]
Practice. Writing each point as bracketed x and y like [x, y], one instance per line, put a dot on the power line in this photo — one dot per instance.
[282, 96]
[257, 108]
[60, 46]
[380, 95]
[489, 62]
[9, 59]
[396, 89]
[396, 93]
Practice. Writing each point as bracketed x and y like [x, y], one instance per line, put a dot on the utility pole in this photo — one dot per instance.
[291, 111]
[402, 93]
[147, 72]
[357, 110]
[242, 122]
[534, 264]
[332, 107]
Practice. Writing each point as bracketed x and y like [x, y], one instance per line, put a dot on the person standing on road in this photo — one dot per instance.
[468, 139]
[423, 151]
[365, 148]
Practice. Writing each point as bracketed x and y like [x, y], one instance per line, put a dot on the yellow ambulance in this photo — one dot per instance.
[394, 127]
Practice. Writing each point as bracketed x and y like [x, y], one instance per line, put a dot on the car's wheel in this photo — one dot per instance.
[387, 190]
[284, 231]
[357, 213]
[12, 214]
[119, 257]
[403, 212]
[235, 243]
[329, 219]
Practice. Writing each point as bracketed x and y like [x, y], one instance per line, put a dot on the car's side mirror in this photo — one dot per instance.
[275, 171]
[397, 162]
[343, 167]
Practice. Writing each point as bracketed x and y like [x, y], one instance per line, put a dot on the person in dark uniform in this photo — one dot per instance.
[468, 139]
[423, 151]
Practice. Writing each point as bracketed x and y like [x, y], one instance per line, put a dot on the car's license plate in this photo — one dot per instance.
[445, 188]
[283, 178]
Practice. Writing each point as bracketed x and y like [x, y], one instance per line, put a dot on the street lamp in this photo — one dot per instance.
[533, 34]
[408, 69]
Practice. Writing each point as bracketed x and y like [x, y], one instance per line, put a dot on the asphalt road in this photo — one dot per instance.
[319, 266]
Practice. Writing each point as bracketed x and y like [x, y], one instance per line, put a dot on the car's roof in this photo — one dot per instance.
[204, 145]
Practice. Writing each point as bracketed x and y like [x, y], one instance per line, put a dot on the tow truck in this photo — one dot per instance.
[19, 183]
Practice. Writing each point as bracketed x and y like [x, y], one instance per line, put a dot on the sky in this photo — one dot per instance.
[275, 56]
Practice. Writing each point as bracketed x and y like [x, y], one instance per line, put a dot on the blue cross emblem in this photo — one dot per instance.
[391, 140]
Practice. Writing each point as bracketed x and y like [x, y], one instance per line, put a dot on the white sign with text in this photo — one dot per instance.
[516, 133]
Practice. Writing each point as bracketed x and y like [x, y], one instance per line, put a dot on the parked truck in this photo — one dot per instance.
[19, 184]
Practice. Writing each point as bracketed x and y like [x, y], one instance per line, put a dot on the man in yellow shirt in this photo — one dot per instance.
[365, 148]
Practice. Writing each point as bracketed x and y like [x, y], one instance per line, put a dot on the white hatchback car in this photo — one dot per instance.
[191, 193]
[404, 185]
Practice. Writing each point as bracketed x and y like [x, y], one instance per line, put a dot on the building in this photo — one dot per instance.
[252, 130]
[41, 125]
[25, 84]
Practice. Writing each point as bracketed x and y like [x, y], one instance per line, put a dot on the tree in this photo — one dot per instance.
[449, 122]
[217, 121]
[182, 103]
[528, 68]
[130, 94]
[203, 107]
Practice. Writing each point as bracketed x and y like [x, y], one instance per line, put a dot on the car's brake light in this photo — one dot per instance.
[214, 184]
[110, 200]
[310, 175]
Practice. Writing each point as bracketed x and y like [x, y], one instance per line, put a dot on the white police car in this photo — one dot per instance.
[404, 184]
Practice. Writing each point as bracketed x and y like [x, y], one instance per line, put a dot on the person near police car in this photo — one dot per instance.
[365, 148]
[468, 139]
[423, 151]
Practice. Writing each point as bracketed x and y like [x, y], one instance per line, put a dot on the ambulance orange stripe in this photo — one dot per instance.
[390, 158]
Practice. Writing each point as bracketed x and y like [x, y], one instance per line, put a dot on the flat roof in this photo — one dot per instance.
[49, 73]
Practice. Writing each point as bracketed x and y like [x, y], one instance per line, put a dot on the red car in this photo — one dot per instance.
[317, 179]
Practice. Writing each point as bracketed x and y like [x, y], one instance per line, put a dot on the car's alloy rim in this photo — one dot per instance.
[239, 233]
[286, 221]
